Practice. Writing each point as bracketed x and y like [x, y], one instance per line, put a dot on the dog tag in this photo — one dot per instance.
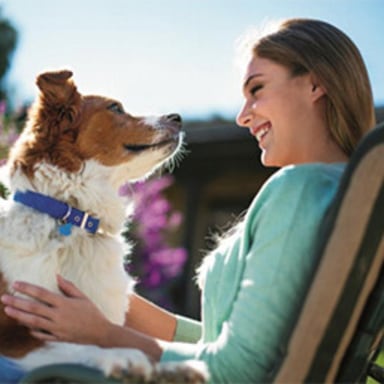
[65, 229]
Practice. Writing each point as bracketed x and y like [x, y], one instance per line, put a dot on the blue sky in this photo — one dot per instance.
[161, 56]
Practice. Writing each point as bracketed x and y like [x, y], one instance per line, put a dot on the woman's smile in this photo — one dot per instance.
[261, 131]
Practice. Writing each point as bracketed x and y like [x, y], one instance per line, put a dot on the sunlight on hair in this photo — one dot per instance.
[245, 42]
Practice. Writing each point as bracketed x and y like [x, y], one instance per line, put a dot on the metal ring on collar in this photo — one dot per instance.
[67, 214]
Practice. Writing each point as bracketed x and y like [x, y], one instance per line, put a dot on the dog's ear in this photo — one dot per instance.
[58, 94]
[53, 124]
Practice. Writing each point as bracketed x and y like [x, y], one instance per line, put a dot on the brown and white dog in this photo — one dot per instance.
[77, 150]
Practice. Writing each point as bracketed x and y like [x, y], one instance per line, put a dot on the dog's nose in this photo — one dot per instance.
[174, 117]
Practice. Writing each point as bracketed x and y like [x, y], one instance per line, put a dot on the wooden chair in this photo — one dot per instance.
[341, 324]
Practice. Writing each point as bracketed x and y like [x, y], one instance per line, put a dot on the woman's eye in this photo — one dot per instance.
[115, 107]
[255, 89]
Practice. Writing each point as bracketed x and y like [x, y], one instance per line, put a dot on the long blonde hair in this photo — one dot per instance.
[319, 48]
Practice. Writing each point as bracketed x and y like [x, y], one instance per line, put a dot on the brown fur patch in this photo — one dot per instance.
[51, 130]
[15, 340]
[103, 133]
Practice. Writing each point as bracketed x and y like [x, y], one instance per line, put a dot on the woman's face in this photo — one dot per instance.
[280, 112]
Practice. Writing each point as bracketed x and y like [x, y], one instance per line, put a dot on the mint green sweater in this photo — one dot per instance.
[253, 284]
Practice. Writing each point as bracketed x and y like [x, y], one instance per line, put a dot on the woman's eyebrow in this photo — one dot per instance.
[251, 77]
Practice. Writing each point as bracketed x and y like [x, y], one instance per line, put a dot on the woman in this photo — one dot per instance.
[308, 102]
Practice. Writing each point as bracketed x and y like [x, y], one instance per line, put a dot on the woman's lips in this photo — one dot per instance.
[261, 130]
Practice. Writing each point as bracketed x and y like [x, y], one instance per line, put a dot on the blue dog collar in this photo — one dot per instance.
[63, 212]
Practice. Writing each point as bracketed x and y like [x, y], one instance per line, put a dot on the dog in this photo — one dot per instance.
[65, 214]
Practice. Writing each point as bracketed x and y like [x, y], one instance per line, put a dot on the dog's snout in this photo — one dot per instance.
[172, 123]
[175, 117]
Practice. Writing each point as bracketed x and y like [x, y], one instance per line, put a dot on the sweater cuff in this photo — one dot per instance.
[187, 330]
[176, 351]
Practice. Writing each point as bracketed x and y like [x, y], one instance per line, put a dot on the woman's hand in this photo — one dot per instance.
[54, 317]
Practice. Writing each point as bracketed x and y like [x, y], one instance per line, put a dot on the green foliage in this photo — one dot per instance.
[8, 43]
[379, 361]
[3, 191]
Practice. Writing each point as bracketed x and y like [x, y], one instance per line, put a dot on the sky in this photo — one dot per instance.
[165, 56]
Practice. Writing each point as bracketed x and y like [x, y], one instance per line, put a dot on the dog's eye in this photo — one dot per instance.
[116, 107]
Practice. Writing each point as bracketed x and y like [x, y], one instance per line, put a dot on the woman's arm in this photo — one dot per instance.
[148, 318]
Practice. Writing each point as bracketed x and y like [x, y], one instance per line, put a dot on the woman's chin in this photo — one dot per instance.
[266, 160]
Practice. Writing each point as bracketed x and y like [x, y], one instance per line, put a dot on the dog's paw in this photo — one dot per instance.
[125, 363]
[188, 372]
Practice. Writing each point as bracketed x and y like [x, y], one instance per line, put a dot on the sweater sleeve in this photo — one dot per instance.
[276, 253]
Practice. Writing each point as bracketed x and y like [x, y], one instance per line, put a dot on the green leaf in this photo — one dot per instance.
[4, 192]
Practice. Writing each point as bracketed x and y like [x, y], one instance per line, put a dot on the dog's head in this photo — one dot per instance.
[66, 128]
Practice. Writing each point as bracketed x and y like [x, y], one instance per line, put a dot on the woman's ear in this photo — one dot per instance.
[317, 90]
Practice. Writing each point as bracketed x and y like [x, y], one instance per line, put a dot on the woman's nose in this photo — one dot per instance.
[243, 118]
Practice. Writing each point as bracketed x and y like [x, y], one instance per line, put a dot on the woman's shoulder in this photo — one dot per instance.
[309, 171]
[305, 175]
[307, 184]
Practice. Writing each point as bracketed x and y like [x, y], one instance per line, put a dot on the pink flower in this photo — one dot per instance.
[154, 262]
[3, 107]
